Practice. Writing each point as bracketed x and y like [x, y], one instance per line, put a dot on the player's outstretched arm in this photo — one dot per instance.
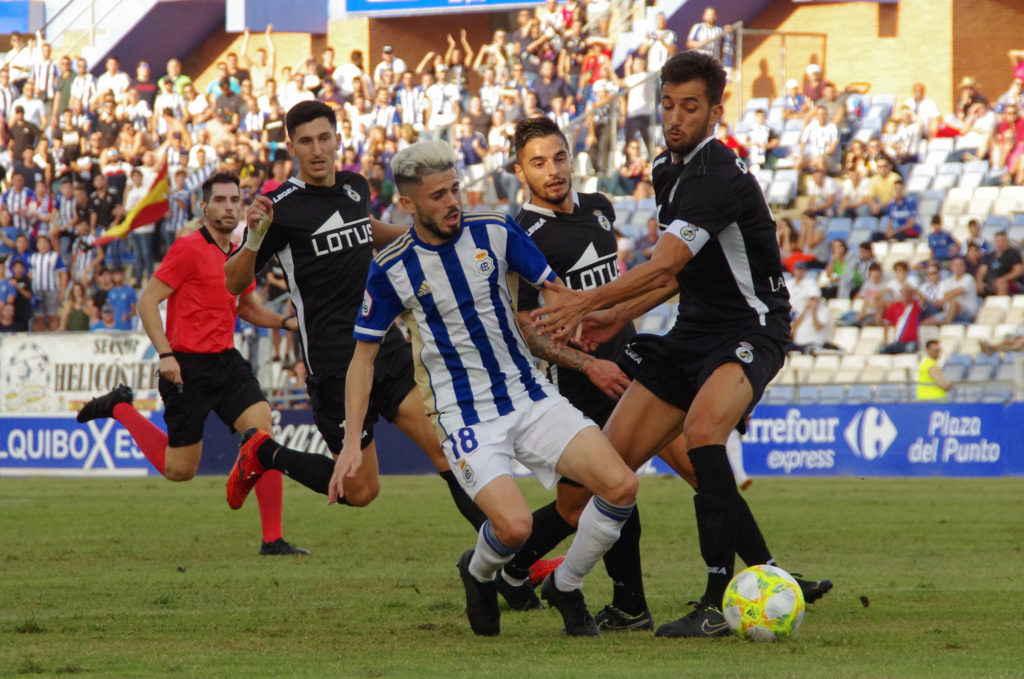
[605, 375]
[250, 309]
[384, 233]
[564, 309]
[240, 268]
[157, 291]
[358, 382]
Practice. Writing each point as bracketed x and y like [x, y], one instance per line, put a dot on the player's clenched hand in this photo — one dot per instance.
[345, 467]
[599, 327]
[170, 370]
[258, 219]
[562, 311]
[607, 377]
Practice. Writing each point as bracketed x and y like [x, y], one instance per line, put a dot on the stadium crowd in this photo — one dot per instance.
[80, 152]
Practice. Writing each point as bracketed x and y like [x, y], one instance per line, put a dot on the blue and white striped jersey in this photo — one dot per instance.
[472, 363]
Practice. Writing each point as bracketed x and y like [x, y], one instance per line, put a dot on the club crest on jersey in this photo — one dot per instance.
[351, 193]
[367, 303]
[603, 221]
[484, 263]
[745, 352]
[741, 165]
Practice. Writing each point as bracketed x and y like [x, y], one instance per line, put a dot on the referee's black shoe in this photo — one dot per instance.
[813, 590]
[481, 600]
[614, 619]
[281, 548]
[578, 620]
[519, 597]
[704, 620]
[103, 406]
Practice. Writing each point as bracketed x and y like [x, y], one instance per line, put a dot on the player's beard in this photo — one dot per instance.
[437, 227]
[685, 148]
[551, 196]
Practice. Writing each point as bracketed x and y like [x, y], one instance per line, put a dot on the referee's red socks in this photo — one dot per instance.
[269, 490]
[150, 439]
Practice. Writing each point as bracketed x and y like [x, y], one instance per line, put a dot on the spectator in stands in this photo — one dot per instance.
[472, 151]
[74, 316]
[49, 278]
[1011, 342]
[970, 94]
[794, 103]
[853, 158]
[1008, 142]
[838, 272]
[761, 140]
[881, 187]
[106, 322]
[599, 137]
[932, 290]
[873, 154]
[902, 213]
[872, 292]
[977, 132]
[802, 288]
[548, 87]
[926, 112]
[974, 259]
[814, 84]
[943, 244]
[444, 107]
[659, 44]
[818, 142]
[23, 294]
[855, 198]
[787, 236]
[643, 246]
[823, 195]
[960, 294]
[708, 38]
[908, 135]
[932, 383]
[904, 319]
[1001, 275]
[1014, 96]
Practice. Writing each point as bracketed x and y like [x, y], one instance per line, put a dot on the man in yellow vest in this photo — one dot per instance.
[932, 383]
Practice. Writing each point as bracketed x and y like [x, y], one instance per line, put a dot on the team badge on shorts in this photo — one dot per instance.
[466, 471]
[745, 352]
[484, 263]
[351, 193]
[603, 221]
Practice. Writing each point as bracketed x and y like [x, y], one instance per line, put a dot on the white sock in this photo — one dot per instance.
[599, 528]
[734, 449]
[490, 554]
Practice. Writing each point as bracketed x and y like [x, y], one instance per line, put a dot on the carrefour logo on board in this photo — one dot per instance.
[870, 433]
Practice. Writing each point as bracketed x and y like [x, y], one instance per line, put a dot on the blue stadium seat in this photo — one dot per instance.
[955, 372]
[936, 194]
[981, 373]
[1004, 373]
[961, 359]
[951, 168]
[858, 394]
[756, 103]
[1000, 221]
[865, 223]
[808, 394]
[832, 395]
[996, 396]
[985, 359]
[891, 393]
[839, 227]
[858, 236]
[778, 396]
[1018, 219]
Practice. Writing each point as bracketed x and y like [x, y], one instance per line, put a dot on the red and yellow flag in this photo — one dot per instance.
[150, 210]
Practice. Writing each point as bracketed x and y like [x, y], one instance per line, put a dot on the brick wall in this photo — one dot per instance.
[889, 46]
[983, 33]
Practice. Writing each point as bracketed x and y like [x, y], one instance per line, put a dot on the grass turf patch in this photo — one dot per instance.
[141, 577]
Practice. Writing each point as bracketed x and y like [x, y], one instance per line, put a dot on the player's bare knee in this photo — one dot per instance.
[179, 474]
[362, 496]
[622, 491]
[514, 530]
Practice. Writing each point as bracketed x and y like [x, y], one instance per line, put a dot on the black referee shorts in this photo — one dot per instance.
[675, 366]
[223, 383]
[393, 379]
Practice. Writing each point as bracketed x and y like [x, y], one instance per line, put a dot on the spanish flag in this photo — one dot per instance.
[150, 210]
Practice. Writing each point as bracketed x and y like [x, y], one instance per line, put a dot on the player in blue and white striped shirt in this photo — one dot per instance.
[489, 403]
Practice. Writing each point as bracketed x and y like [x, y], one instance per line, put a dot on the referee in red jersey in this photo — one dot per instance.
[200, 369]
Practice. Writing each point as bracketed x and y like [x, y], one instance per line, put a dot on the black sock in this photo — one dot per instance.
[715, 504]
[750, 544]
[549, 529]
[622, 562]
[466, 506]
[310, 469]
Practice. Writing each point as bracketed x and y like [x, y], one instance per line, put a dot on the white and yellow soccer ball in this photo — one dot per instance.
[763, 603]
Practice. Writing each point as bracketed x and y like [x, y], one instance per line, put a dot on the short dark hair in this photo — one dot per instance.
[687, 66]
[930, 343]
[218, 178]
[874, 266]
[535, 128]
[306, 112]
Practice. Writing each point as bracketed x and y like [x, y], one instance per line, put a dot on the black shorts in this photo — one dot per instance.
[393, 379]
[675, 366]
[223, 383]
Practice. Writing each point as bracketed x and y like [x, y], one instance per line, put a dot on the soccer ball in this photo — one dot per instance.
[763, 603]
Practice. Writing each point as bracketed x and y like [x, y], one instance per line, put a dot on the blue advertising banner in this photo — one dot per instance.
[883, 440]
[411, 7]
[57, 445]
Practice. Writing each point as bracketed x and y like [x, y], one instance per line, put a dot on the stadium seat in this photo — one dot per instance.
[832, 395]
[990, 316]
[873, 374]
[999, 221]
[924, 170]
[827, 362]
[945, 181]
[979, 331]
[808, 394]
[641, 215]
[1005, 372]
[839, 227]
[919, 184]
[778, 396]
[880, 249]
[941, 144]
[852, 362]
[883, 361]
[858, 394]
[1005, 207]
[794, 125]
[846, 338]
[781, 192]
[838, 306]
[997, 395]
[936, 157]
[891, 393]
[755, 103]
[980, 373]
[971, 180]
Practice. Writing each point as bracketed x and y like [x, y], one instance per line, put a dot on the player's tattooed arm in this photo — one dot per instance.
[605, 375]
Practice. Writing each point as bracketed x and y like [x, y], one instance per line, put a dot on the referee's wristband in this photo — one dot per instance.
[169, 354]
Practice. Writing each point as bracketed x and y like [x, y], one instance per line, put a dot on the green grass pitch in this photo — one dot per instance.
[146, 578]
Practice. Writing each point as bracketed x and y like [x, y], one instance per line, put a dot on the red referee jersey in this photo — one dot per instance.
[201, 312]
